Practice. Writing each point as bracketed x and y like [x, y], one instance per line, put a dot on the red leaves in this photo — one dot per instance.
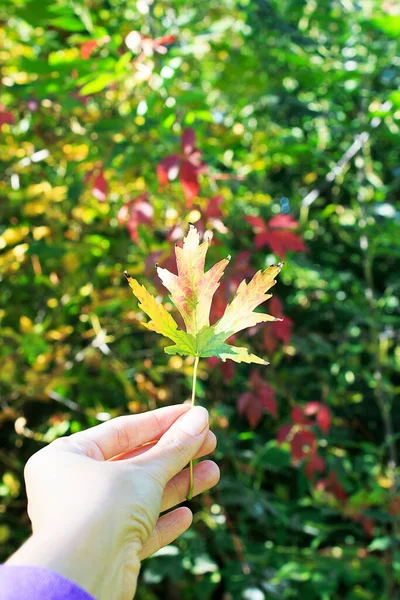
[188, 140]
[322, 412]
[134, 213]
[303, 444]
[87, 48]
[99, 183]
[160, 44]
[283, 433]
[303, 441]
[6, 117]
[100, 187]
[260, 397]
[368, 526]
[276, 234]
[304, 450]
[314, 465]
[146, 46]
[90, 46]
[188, 164]
[311, 409]
[189, 180]
[298, 416]
[227, 368]
[168, 169]
[332, 485]
[211, 216]
[213, 208]
[394, 506]
[279, 331]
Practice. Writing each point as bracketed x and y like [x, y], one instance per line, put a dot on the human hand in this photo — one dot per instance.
[94, 497]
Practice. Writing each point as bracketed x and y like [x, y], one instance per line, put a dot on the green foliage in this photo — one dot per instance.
[295, 106]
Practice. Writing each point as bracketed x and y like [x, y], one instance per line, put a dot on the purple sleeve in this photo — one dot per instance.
[34, 583]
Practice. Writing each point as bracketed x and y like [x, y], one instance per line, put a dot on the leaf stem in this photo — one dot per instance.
[196, 363]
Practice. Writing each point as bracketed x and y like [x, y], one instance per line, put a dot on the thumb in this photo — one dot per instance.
[178, 445]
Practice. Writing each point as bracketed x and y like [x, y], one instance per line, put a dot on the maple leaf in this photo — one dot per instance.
[276, 234]
[239, 269]
[192, 290]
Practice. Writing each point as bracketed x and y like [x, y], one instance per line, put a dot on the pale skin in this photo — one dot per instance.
[95, 497]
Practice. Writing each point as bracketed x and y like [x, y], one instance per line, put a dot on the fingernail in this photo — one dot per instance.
[194, 421]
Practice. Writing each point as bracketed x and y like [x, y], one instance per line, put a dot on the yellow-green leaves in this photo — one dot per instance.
[161, 321]
[239, 313]
[192, 291]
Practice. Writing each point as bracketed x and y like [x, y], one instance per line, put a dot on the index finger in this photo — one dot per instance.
[123, 434]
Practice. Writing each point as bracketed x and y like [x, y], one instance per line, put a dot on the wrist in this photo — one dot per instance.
[90, 563]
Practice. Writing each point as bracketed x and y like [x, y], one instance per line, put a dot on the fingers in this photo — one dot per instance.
[122, 434]
[167, 529]
[177, 446]
[205, 475]
[208, 446]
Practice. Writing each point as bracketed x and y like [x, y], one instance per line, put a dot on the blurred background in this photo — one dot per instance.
[274, 125]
